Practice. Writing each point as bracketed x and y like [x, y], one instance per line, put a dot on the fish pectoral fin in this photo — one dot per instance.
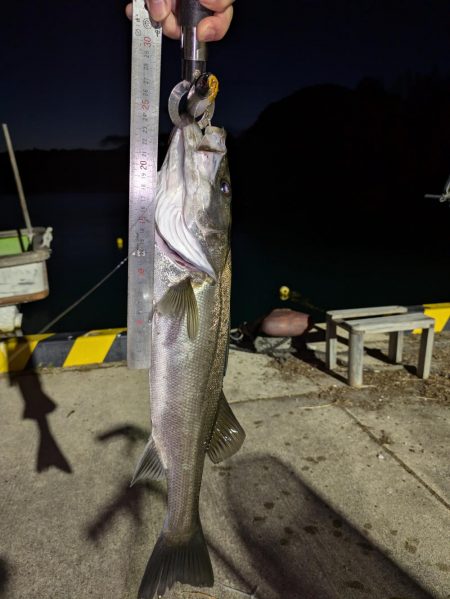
[228, 435]
[149, 465]
[180, 300]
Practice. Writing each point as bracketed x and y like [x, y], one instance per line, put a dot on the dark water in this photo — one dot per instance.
[85, 228]
[330, 275]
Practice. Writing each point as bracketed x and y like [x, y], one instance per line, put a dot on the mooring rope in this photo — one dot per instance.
[83, 297]
[70, 308]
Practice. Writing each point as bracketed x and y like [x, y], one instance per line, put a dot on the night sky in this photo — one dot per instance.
[65, 66]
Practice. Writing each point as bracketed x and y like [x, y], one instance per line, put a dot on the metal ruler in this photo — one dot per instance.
[145, 80]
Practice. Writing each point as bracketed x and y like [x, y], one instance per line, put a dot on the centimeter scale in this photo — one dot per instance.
[145, 83]
[192, 98]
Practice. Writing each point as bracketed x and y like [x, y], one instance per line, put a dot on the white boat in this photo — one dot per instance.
[23, 256]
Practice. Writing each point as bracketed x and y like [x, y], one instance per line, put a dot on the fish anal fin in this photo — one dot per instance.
[180, 300]
[149, 466]
[228, 435]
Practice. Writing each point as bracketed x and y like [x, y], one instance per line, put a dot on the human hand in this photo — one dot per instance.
[209, 29]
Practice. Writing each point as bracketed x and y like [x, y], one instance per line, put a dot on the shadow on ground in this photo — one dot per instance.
[129, 432]
[4, 577]
[298, 546]
[291, 543]
[128, 500]
[37, 407]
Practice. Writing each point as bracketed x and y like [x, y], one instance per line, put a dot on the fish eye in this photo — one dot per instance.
[225, 187]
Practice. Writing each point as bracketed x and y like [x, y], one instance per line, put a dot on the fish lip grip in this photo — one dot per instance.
[193, 98]
[190, 102]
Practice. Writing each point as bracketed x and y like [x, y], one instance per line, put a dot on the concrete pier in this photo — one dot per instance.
[337, 493]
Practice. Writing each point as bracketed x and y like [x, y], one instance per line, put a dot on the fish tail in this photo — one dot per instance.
[187, 562]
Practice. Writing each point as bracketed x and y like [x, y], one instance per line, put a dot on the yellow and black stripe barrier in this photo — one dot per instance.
[440, 313]
[63, 350]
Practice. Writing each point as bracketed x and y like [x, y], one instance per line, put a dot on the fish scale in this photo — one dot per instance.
[190, 381]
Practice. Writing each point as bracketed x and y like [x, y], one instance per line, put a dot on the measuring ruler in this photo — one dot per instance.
[145, 80]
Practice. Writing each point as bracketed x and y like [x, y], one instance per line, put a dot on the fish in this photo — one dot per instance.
[190, 416]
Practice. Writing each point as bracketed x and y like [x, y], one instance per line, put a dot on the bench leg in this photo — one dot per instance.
[396, 347]
[355, 359]
[331, 343]
[425, 352]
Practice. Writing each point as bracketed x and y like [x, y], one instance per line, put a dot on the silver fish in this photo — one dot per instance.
[189, 413]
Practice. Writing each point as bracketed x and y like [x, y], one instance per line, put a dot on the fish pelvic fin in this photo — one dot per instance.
[187, 562]
[149, 465]
[180, 300]
[228, 435]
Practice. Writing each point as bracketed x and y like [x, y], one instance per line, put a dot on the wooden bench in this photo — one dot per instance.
[335, 316]
[385, 319]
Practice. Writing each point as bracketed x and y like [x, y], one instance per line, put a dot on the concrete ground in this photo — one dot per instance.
[336, 493]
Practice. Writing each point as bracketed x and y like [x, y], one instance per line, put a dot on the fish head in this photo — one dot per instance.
[207, 202]
[193, 213]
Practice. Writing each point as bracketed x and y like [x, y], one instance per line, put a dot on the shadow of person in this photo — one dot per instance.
[4, 577]
[37, 407]
[296, 546]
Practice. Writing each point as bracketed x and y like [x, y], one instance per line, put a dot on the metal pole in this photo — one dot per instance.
[23, 202]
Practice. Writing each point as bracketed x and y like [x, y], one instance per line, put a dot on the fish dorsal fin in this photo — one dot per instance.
[228, 435]
[180, 300]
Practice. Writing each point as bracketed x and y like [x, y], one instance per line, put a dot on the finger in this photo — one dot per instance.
[161, 12]
[214, 28]
[170, 27]
[217, 5]
[159, 9]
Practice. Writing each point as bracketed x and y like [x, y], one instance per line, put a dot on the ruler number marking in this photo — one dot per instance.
[143, 177]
